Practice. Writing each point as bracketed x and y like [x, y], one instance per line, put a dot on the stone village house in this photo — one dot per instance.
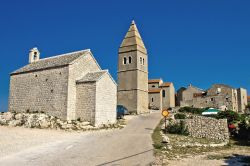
[68, 86]
[218, 96]
[161, 95]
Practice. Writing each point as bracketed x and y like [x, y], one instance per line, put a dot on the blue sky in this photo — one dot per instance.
[196, 41]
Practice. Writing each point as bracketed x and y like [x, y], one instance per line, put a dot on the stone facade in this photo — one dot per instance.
[50, 85]
[219, 96]
[242, 99]
[161, 95]
[133, 73]
[206, 127]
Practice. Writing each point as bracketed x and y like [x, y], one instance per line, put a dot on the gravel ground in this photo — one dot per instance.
[129, 146]
[15, 139]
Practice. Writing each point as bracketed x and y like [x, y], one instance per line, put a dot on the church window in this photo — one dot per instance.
[152, 99]
[163, 93]
[130, 60]
[124, 60]
[141, 60]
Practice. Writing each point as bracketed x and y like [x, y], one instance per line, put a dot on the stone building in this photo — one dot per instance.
[161, 95]
[218, 96]
[133, 72]
[68, 86]
[242, 99]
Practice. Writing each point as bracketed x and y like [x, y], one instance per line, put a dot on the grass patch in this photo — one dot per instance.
[157, 138]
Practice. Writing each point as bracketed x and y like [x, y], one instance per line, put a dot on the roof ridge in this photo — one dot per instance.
[65, 54]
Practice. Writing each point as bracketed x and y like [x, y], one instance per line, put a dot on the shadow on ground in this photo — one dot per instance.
[237, 160]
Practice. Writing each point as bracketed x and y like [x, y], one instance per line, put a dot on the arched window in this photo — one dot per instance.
[163, 93]
[124, 60]
[130, 60]
[152, 99]
[153, 86]
[141, 60]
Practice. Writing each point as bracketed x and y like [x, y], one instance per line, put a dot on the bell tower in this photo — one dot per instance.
[133, 73]
[34, 55]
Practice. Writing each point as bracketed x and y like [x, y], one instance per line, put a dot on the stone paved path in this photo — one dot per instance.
[129, 146]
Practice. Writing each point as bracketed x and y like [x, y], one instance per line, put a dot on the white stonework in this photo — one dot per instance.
[50, 85]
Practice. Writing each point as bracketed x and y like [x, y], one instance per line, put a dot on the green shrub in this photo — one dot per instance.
[180, 116]
[192, 110]
[231, 116]
[244, 130]
[177, 128]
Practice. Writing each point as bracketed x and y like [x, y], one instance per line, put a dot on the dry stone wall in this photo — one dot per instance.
[207, 127]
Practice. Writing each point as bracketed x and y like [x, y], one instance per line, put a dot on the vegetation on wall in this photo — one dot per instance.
[180, 116]
[192, 110]
[177, 128]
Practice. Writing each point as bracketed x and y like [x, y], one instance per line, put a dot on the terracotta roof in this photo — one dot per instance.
[51, 62]
[166, 84]
[248, 98]
[154, 81]
[156, 90]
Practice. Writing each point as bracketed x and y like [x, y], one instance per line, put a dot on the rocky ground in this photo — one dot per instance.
[186, 150]
[43, 121]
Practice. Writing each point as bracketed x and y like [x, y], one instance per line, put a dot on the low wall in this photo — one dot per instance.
[206, 127]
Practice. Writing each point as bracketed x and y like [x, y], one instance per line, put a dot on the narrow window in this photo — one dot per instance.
[163, 93]
[124, 60]
[35, 55]
[152, 99]
[130, 60]
[212, 99]
[141, 60]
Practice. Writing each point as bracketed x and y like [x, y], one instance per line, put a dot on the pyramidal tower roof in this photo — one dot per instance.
[132, 41]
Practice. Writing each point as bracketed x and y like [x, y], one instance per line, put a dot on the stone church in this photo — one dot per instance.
[69, 86]
[133, 72]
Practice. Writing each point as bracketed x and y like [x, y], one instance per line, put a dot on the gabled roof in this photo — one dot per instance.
[52, 62]
[191, 86]
[166, 84]
[132, 40]
[154, 81]
[155, 90]
[92, 77]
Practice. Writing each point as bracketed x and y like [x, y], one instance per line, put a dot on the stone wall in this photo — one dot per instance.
[206, 127]
[85, 101]
[44, 90]
[77, 70]
[155, 100]
[106, 101]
